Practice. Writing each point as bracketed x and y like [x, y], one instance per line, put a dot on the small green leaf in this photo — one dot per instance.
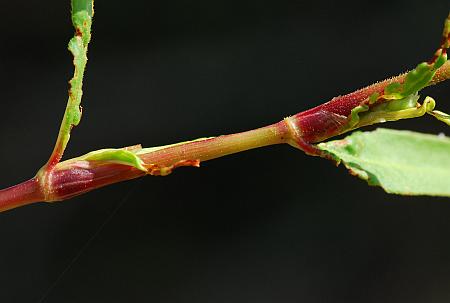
[402, 162]
[83, 5]
[441, 116]
[82, 12]
[418, 78]
[111, 155]
[354, 118]
[409, 101]
[392, 88]
[415, 81]
[373, 98]
[424, 72]
[394, 110]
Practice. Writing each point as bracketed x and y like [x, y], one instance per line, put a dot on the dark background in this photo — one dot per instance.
[269, 225]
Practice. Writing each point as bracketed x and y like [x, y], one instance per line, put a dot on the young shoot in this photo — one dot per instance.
[371, 156]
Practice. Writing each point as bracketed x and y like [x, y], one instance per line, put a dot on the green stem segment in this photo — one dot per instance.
[211, 148]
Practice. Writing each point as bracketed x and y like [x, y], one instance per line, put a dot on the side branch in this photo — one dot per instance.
[82, 13]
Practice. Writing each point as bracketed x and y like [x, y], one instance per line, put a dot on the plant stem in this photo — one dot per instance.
[21, 194]
[211, 148]
[443, 73]
[72, 177]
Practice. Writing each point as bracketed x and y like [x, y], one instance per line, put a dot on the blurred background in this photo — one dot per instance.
[268, 225]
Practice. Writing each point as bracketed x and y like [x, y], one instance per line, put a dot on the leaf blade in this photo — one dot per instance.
[401, 162]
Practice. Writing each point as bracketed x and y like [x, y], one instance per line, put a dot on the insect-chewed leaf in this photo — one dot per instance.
[415, 81]
[401, 162]
[82, 12]
[418, 78]
[422, 75]
[83, 5]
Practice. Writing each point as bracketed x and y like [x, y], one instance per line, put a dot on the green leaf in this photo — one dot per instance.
[82, 11]
[392, 88]
[441, 116]
[415, 81]
[83, 5]
[392, 111]
[78, 47]
[424, 72]
[402, 162]
[112, 155]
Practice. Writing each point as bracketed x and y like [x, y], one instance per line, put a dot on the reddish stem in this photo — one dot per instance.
[70, 178]
[83, 177]
[21, 194]
[216, 147]
[327, 120]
